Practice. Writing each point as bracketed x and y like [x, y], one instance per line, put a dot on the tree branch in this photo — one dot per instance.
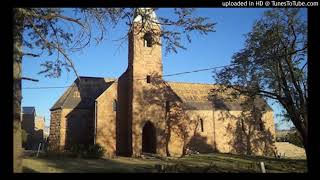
[54, 46]
[31, 54]
[70, 19]
[51, 16]
[29, 79]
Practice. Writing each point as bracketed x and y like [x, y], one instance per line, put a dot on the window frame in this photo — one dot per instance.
[148, 79]
[147, 39]
[114, 105]
[201, 125]
[167, 105]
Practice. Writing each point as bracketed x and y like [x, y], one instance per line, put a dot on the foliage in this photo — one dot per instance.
[95, 151]
[87, 151]
[60, 32]
[24, 135]
[273, 64]
[291, 137]
[295, 139]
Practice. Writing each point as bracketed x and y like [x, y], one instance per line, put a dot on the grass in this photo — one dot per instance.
[215, 162]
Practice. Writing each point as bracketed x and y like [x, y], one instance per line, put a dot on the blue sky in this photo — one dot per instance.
[109, 59]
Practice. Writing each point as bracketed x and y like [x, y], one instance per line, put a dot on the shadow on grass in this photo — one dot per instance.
[215, 162]
[98, 165]
[29, 170]
[251, 163]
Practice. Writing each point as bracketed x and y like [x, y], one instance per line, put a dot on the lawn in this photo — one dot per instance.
[215, 162]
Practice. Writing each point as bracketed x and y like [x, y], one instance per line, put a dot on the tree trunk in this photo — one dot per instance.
[307, 150]
[168, 136]
[17, 71]
[248, 144]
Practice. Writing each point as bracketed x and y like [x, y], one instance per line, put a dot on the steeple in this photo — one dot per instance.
[144, 44]
[142, 12]
[144, 76]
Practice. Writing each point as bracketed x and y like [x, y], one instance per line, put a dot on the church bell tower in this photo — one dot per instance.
[145, 77]
[144, 45]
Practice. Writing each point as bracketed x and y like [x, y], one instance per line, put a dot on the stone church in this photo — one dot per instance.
[139, 112]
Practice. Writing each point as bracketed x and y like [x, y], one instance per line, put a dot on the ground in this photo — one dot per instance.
[216, 162]
[289, 150]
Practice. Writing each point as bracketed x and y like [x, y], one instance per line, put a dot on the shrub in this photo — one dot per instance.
[87, 151]
[78, 150]
[56, 154]
[295, 139]
[24, 135]
[95, 151]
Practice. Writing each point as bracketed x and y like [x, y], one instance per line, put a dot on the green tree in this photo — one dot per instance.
[42, 32]
[273, 64]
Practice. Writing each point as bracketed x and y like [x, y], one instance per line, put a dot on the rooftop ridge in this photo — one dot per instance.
[97, 77]
[189, 83]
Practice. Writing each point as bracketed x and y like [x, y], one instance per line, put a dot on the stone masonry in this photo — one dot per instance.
[140, 113]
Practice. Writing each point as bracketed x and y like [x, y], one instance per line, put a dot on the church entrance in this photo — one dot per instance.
[149, 139]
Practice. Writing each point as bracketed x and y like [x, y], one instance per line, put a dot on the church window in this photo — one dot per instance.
[167, 106]
[201, 123]
[261, 126]
[148, 78]
[147, 39]
[114, 105]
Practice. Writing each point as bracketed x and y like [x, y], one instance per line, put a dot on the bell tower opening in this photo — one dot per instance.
[147, 39]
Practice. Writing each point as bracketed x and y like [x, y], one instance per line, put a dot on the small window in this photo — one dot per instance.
[147, 39]
[201, 123]
[167, 106]
[76, 94]
[261, 126]
[148, 78]
[114, 105]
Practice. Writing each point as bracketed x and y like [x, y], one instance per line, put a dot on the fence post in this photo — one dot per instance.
[38, 149]
[262, 167]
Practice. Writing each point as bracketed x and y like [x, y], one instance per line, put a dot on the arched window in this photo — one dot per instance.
[114, 105]
[201, 123]
[147, 39]
[167, 106]
[261, 125]
[148, 79]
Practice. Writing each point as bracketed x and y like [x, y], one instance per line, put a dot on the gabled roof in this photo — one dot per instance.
[83, 96]
[195, 96]
[28, 110]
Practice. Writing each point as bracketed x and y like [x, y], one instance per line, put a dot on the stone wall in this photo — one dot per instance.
[123, 130]
[39, 122]
[76, 127]
[146, 99]
[201, 134]
[106, 120]
[54, 136]
[222, 132]
[28, 122]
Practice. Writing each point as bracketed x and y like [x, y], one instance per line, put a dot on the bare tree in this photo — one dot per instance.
[42, 32]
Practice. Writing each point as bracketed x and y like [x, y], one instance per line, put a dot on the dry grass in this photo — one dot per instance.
[196, 163]
[290, 150]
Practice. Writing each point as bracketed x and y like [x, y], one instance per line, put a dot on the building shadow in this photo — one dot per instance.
[79, 121]
[250, 136]
[163, 107]
[199, 144]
